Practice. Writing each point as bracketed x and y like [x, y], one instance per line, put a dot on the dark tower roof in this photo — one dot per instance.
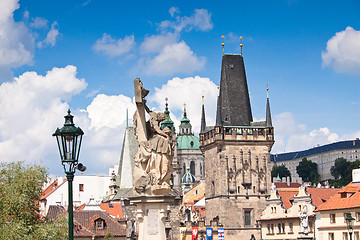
[268, 113]
[233, 107]
[203, 121]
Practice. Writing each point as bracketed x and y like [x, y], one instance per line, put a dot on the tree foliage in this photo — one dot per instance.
[20, 189]
[308, 171]
[282, 171]
[342, 171]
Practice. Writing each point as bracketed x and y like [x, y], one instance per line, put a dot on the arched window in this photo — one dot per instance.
[184, 169]
[201, 169]
[192, 167]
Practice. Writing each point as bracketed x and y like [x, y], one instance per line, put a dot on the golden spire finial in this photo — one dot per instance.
[241, 45]
[267, 90]
[203, 97]
[166, 101]
[223, 44]
[185, 108]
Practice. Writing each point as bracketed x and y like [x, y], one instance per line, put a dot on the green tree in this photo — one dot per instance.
[282, 171]
[20, 189]
[308, 171]
[342, 171]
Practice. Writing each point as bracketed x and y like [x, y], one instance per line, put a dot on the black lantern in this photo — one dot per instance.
[349, 222]
[69, 140]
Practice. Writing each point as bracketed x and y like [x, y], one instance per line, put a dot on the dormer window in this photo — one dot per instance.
[99, 224]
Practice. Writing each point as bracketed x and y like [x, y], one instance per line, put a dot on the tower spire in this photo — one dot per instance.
[233, 107]
[167, 122]
[203, 121]
[268, 113]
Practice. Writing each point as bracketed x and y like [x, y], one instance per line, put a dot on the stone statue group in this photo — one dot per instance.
[153, 160]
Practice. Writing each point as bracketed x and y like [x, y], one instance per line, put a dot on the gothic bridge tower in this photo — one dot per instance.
[237, 156]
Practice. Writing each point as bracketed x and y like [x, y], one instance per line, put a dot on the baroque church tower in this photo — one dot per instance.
[237, 156]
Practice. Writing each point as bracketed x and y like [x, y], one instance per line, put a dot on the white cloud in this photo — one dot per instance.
[109, 111]
[187, 90]
[114, 47]
[292, 136]
[32, 106]
[175, 58]
[37, 22]
[16, 42]
[343, 51]
[199, 20]
[156, 43]
[173, 11]
[51, 37]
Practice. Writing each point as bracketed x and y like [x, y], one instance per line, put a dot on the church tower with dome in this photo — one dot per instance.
[188, 153]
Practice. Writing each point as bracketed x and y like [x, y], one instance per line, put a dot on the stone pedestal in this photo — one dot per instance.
[151, 213]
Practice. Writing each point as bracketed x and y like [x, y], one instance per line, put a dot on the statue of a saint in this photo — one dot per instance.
[153, 161]
[304, 220]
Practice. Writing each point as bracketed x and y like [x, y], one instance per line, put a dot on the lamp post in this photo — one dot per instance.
[69, 140]
[349, 222]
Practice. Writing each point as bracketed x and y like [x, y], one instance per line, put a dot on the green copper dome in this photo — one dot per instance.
[188, 142]
[188, 178]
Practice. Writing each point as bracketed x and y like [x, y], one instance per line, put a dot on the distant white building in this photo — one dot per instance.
[324, 156]
[86, 189]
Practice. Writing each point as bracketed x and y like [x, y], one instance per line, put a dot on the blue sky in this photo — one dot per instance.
[85, 55]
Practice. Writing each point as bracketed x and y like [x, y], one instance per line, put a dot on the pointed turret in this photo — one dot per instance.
[203, 121]
[268, 113]
[233, 107]
[167, 122]
[185, 126]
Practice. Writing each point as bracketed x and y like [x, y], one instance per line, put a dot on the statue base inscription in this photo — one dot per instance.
[151, 213]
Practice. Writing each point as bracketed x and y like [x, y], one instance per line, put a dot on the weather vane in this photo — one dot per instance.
[223, 44]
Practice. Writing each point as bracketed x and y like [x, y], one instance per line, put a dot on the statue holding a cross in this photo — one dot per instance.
[153, 160]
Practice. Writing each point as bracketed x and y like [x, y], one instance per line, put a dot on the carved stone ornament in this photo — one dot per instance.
[153, 159]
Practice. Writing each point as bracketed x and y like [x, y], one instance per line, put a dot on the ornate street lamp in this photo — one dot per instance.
[349, 222]
[69, 140]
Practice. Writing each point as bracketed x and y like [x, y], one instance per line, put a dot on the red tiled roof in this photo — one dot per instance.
[114, 209]
[284, 185]
[318, 195]
[286, 195]
[350, 200]
[51, 188]
[81, 207]
[85, 224]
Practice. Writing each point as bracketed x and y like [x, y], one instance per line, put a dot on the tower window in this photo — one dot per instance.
[192, 144]
[81, 187]
[247, 217]
[192, 167]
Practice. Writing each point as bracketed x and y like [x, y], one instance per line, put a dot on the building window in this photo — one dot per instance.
[100, 224]
[281, 228]
[270, 228]
[356, 236]
[331, 236]
[291, 228]
[192, 167]
[81, 187]
[332, 218]
[345, 236]
[357, 216]
[247, 217]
